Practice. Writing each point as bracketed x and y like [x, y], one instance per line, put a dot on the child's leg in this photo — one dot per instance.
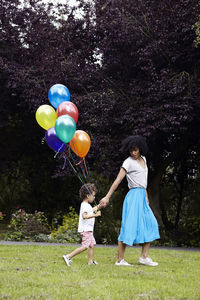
[121, 250]
[76, 252]
[91, 254]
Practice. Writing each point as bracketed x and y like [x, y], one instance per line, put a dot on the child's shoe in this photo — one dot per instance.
[93, 263]
[67, 260]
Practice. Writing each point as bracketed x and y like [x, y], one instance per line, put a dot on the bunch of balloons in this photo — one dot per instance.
[60, 124]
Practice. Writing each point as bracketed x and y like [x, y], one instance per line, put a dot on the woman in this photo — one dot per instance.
[139, 225]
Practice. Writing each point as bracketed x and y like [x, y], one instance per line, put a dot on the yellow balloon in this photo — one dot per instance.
[46, 116]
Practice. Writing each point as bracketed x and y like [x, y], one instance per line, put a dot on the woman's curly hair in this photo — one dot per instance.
[132, 142]
[87, 189]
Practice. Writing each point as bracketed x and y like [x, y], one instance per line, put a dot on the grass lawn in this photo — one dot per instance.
[39, 272]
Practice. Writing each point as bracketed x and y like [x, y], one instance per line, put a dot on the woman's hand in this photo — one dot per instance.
[147, 198]
[103, 202]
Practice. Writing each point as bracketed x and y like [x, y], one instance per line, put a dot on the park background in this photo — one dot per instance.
[131, 68]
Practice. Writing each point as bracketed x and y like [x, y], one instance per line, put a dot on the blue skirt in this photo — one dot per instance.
[139, 224]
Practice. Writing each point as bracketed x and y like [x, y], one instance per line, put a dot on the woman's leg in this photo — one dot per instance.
[145, 250]
[145, 259]
[121, 250]
[90, 255]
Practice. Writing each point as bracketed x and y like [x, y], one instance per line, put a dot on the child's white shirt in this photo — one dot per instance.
[86, 224]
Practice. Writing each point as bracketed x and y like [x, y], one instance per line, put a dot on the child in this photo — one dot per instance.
[86, 224]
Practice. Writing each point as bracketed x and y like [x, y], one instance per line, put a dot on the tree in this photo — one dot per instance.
[35, 54]
[131, 69]
[150, 72]
[196, 27]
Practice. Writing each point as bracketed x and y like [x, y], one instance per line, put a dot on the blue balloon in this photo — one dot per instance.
[58, 93]
[53, 141]
[65, 128]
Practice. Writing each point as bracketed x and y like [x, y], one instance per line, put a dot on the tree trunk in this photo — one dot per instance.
[154, 186]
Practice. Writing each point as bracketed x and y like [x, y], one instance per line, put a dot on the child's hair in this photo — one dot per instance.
[87, 189]
[134, 141]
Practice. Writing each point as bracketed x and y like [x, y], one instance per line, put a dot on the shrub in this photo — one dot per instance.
[1, 215]
[67, 232]
[106, 228]
[191, 229]
[27, 226]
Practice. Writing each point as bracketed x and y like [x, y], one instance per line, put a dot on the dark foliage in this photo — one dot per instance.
[132, 69]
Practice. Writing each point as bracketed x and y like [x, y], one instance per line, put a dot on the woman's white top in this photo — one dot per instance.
[136, 175]
[86, 224]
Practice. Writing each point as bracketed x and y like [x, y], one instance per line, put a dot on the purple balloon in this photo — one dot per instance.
[53, 141]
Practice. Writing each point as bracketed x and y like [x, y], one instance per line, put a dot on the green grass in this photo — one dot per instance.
[39, 272]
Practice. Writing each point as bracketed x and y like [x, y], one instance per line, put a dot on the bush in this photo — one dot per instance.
[67, 232]
[167, 238]
[186, 235]
[27, 226]
[191, 229]
[106, 228]
[1, 216]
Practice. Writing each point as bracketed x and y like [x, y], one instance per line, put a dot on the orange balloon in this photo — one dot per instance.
[80, 143]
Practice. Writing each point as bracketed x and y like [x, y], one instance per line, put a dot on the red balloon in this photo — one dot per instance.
[68, 108]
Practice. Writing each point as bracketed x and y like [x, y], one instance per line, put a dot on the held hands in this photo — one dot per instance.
[96, 211]
[96, 208]
[103, 202]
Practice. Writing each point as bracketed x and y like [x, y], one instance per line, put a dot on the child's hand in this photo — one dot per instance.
[96, 208]
[98, 214]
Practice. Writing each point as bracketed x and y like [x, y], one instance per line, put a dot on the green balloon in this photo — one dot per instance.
[65, 128]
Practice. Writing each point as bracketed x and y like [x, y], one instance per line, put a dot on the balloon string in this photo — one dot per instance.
[77, 164]
[69, 150]
[80, 163]
[58, 150]
[79, 177]
[64, 165]
[85, 165]
[82, 168]
[43, 140]
[66, 157]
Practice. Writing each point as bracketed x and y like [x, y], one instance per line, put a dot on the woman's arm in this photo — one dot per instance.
[104, 201]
